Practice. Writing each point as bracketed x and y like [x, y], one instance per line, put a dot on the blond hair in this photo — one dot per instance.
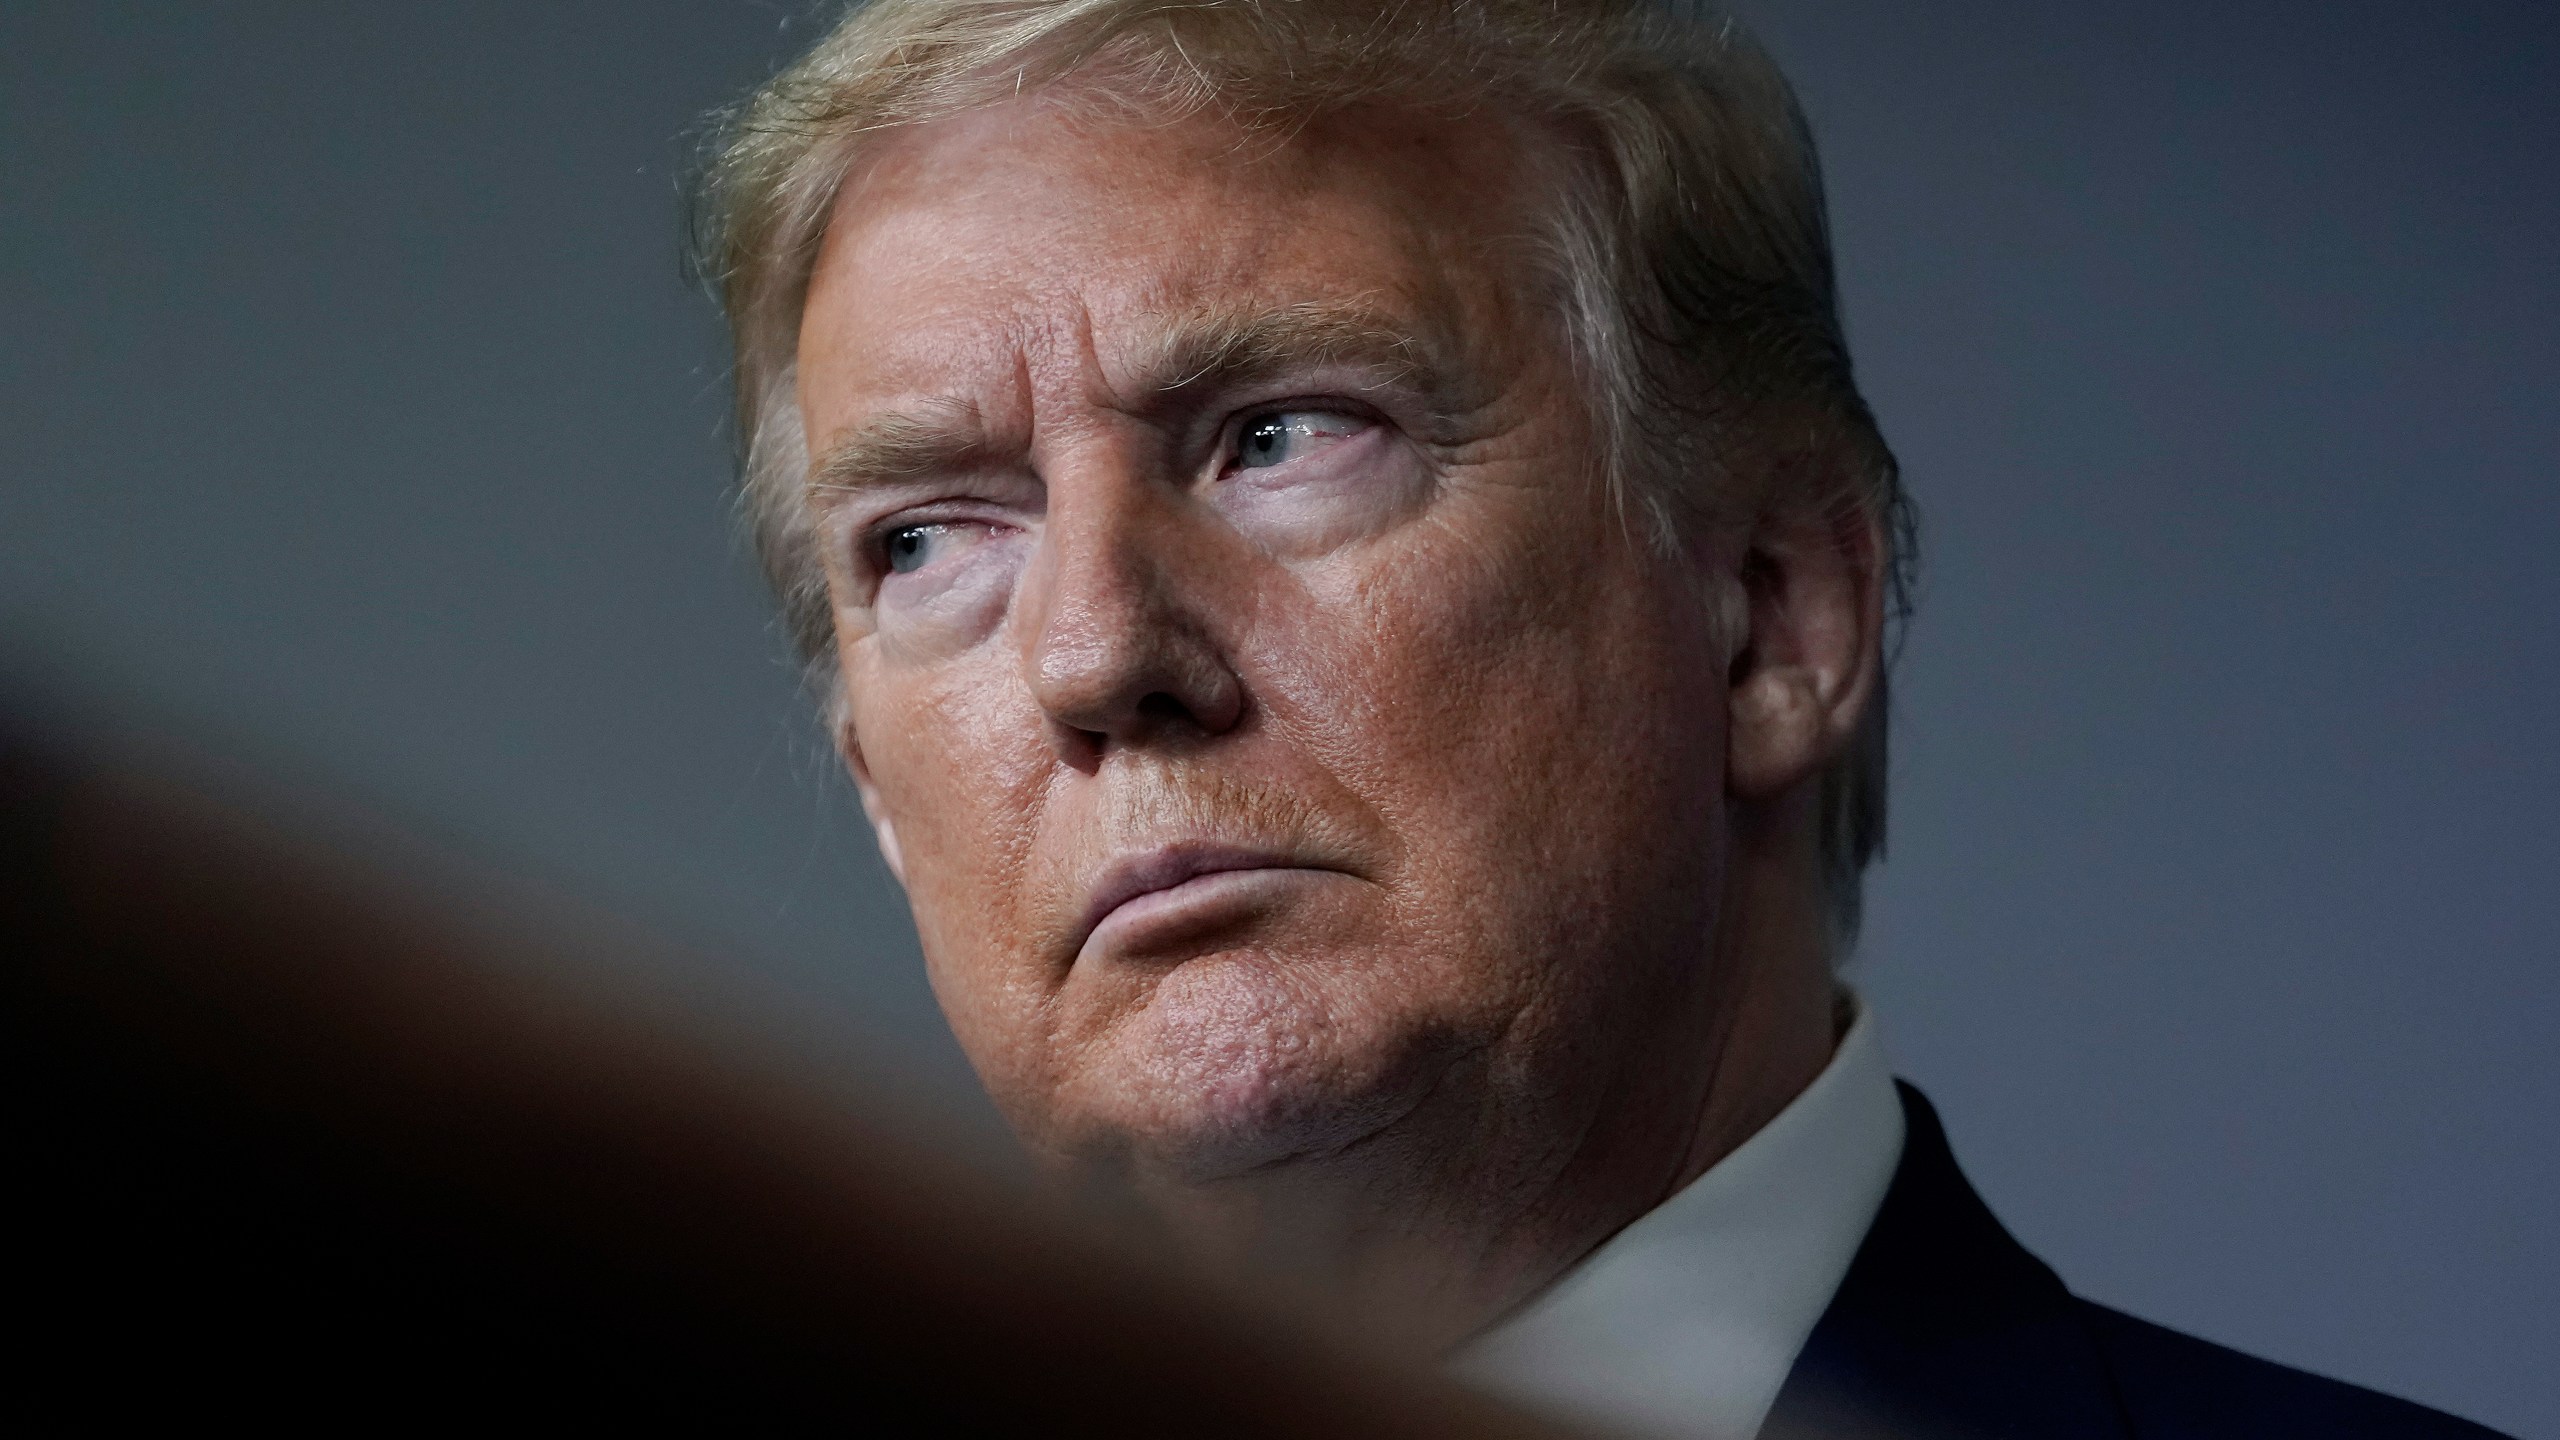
[1689, 251]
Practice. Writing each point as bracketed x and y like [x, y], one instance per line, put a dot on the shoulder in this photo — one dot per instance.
[1945, 1326]
[2177, 1387]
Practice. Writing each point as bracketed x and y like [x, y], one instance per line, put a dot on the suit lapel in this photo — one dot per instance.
[1945, 1326]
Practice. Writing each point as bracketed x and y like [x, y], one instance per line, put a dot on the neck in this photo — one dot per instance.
[1782, 1020]
[1734, 1045]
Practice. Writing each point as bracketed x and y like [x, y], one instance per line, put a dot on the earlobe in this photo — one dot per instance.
[1776, 733]
[883, 829]
[887, 833]
[1805, 670]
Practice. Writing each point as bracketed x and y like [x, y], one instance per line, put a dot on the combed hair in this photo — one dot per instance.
[1689, 252]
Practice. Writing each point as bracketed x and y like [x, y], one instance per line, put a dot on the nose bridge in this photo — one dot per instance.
[1113, 625]
[1100, 586]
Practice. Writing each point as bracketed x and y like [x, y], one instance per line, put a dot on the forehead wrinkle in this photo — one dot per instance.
[1077, 337]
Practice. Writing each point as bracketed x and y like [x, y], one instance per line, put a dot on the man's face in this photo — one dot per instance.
[1291, 756]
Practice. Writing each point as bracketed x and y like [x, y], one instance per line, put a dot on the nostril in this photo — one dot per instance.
[1080, 748]
[1161, 706]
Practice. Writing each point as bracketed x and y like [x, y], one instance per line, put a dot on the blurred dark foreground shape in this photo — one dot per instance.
[306, 1141]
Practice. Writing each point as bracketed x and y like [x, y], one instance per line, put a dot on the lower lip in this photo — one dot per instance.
[1178, 914]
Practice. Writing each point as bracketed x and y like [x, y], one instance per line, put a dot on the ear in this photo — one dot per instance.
[1806, 666]
[849, 746]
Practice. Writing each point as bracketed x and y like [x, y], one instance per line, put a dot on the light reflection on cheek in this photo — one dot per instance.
[1352, 489]
[956, 600]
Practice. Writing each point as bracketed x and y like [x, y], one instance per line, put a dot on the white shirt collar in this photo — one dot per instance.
[1687, 1321]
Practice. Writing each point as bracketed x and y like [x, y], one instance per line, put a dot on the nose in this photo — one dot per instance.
[1124, 645]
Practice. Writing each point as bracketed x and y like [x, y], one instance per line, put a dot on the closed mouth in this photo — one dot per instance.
[1163, 869]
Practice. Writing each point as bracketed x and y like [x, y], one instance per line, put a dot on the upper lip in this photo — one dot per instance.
[1167, 866]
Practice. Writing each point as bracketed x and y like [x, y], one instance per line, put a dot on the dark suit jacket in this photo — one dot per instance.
[1946, 1327]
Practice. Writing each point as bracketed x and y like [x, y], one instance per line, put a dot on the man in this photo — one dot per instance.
[1350, 571]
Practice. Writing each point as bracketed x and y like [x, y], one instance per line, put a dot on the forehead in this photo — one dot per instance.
[1040, 226]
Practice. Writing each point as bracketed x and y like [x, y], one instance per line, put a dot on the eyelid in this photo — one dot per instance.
[1231, 446]
[1346, 409]
[989, 492]
[871, 542]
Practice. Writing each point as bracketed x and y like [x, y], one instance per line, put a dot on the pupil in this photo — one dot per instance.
[905, 545]
[1263, 442]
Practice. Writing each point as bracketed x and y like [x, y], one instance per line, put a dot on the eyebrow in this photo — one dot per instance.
[1179, 356]
[932, 437]
[1237, 346]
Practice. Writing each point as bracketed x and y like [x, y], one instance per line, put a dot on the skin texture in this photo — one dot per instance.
[1196, 498]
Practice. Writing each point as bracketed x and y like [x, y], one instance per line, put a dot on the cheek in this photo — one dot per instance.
[1538, 711]
[961, 774]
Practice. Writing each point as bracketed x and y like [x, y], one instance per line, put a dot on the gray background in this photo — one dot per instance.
[355, 410]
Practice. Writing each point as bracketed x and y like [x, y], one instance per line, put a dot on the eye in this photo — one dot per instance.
[1280, 436]
[909, 546]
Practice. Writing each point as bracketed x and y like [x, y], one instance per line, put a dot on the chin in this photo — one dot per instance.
[1240, 1062]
